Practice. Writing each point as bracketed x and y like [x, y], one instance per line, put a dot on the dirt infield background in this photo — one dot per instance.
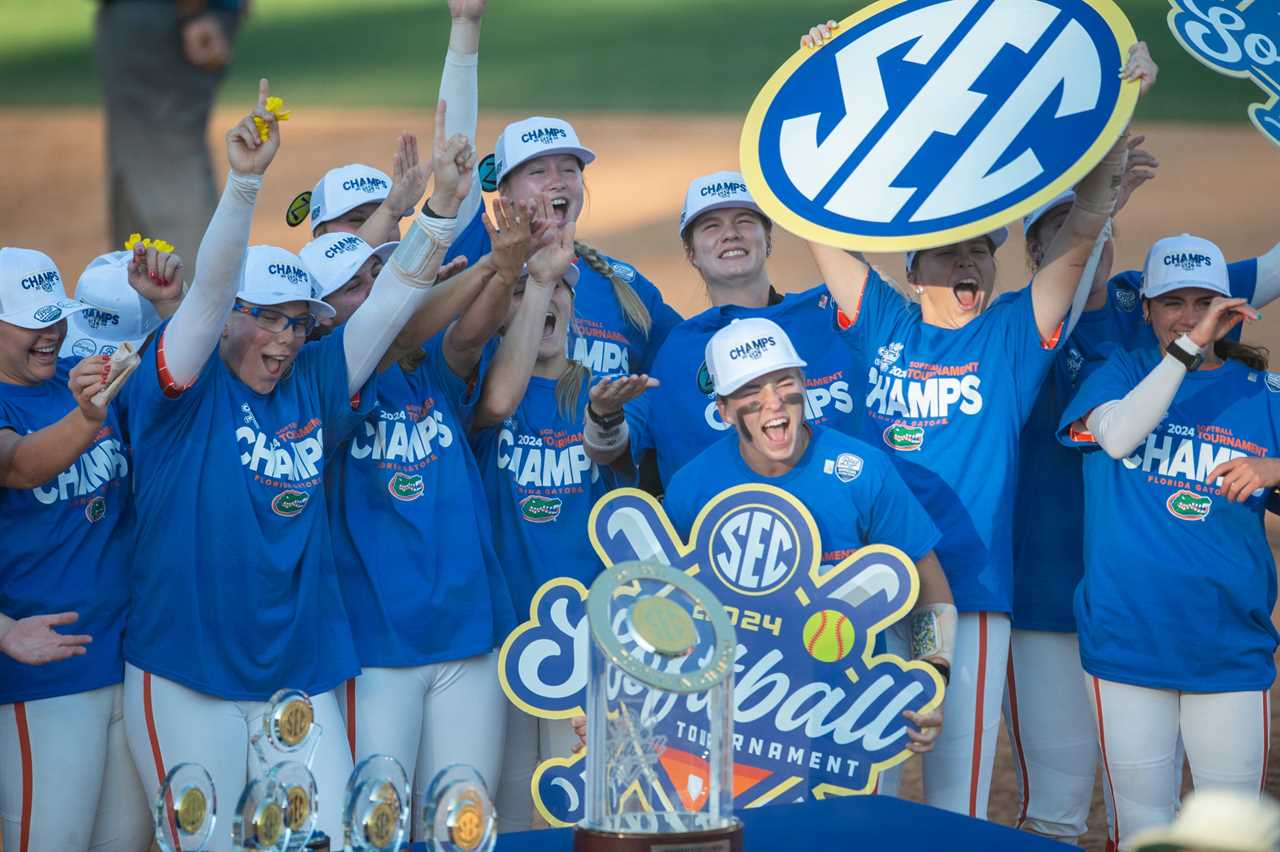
[1222, 183]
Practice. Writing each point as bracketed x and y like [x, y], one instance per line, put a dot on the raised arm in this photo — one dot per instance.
[1054, 287]
[27, 461]
[511, 240]
[508, 377]
[605, 433]
[404, 282]
[460, 88]
[1120, 426]
[196, 327]
[408, 182]
[157, 277]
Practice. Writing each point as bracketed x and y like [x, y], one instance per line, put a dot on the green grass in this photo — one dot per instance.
[537, 55]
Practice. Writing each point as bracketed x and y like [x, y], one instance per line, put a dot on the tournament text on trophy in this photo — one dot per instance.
[662, 656]
[185, 809]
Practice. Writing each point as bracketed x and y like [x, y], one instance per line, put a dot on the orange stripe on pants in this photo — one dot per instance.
[157, 757]
[1015, 735]
[1113, 841]
[28, 784]
[975, 771]
[351, 717]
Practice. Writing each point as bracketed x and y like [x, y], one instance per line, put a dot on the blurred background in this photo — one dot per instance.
[656, 87]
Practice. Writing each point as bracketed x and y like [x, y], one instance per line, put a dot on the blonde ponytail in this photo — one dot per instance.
[569, 388]
[632, 308]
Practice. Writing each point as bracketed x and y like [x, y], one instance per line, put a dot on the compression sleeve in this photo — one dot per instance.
[1268, 286]
[193, 333]
[1119, 426]
[460, 89]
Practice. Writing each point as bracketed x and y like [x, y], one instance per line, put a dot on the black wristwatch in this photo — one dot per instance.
[1190, 360]
[605, 421]
[943, 669]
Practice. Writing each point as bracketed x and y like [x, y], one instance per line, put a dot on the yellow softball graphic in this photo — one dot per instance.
[828, 636]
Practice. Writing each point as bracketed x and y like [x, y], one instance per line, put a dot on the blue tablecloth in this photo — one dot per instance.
[864, 823]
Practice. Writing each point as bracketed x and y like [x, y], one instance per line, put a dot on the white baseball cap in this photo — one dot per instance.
[747, 349]
[116, 313]
[1217, 821]
[274, 276]
[536, 136]
[997, 237]
[332, 259]
[32, 294]
[1063, 199]
[1184, 261]
[345, 188]
[716, 191]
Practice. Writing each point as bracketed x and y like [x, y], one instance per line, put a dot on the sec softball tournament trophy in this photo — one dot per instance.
[301, 801]
[186, 809]
[457, 812]
[377, 806]
[662, 655]
[289, 727]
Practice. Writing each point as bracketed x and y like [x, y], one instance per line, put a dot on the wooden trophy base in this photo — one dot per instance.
[716, 840]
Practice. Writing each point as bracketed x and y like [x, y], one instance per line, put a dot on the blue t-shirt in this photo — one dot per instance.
[868, 503]
[679, 419]
[65, 547]
[1179, 582]
[1048, 515]
[541, 487]
[235, 593]
[411, 533]
[601, 337]
[950, 405]
[1124, 302]
[472, 242]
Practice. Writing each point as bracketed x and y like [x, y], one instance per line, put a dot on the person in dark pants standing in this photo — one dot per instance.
[160, 62]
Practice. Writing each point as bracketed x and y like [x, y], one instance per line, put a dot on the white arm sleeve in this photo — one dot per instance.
[1268, 287]
[1121, 425]
[460, 89]
[193, 333]
[394, 298]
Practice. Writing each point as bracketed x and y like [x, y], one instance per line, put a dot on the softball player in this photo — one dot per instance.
[621, 319]
[538, 479]
[234, 590]
[727, 238]
[66, 780]
[1173, 646]
[419, 577]
[773, 443]
[949, 387]
[117, 312]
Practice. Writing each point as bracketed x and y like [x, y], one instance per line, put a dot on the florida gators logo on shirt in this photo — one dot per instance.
[1188, 506]
[288, 504]
[406, 487]
[927, 122]
[537, 509]
[96, 510]
[903, 438]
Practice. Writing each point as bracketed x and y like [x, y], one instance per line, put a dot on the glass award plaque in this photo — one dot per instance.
[260, 817]
[185, 809]
[457, 812]
[377, 806]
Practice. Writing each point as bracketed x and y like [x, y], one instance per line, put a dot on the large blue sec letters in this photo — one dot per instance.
[923, 117]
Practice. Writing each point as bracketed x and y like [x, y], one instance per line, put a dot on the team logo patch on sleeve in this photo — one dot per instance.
[1126, 299]
[299, 207]
[927, 122]
[705, 385]
[406, 487]
[1188, 506]
[1273, 382]
[488, 173]
[289, 504]
[904, 438]
[845, 467]
[537, 509]
[1237, 39]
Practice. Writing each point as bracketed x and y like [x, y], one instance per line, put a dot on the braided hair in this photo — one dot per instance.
[634, 309]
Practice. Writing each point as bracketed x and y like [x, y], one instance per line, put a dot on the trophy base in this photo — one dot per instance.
[716, 840]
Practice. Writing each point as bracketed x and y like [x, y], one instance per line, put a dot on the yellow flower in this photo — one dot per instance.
[275, 106]
[157, 244]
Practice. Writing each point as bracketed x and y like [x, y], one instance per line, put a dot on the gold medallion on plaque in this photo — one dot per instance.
[467, 823]
[299, 807]
[270, 824]
[664, 626]
[380, 824]
[192, 806]
[293, 722]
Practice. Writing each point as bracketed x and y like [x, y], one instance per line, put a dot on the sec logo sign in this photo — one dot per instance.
[927, 122]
